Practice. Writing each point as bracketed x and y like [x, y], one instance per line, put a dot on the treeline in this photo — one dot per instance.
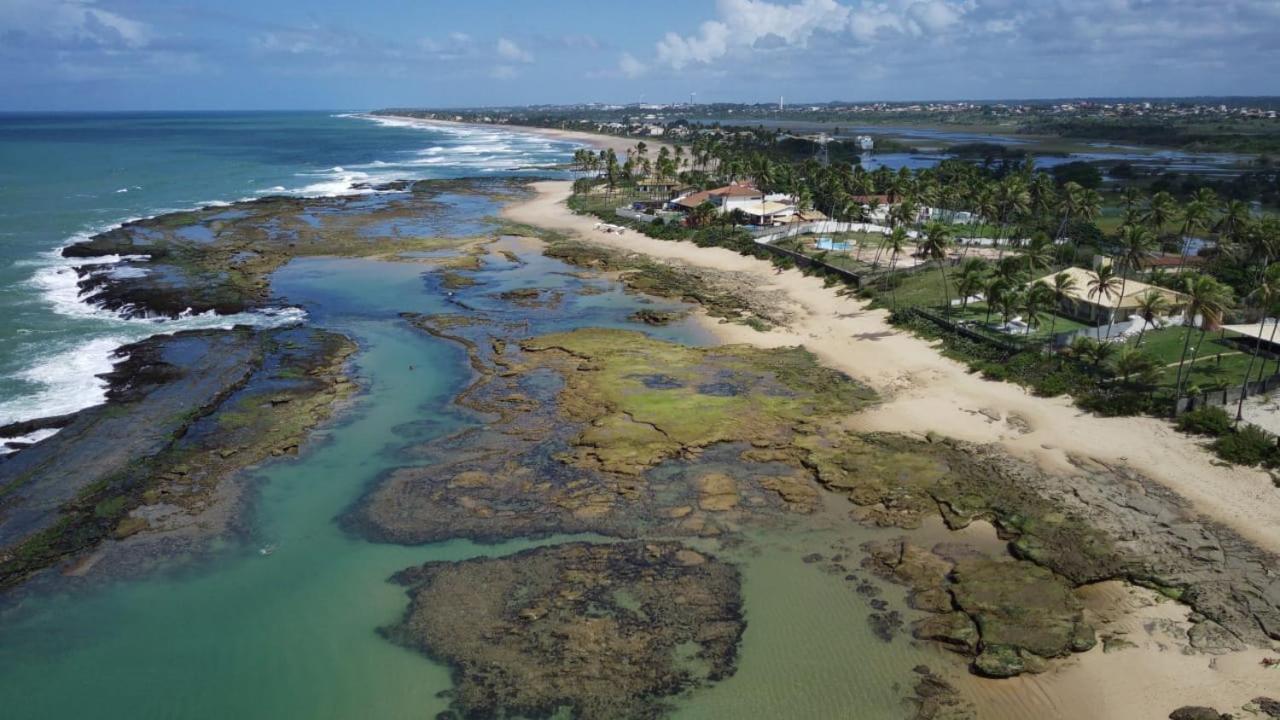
[1162, 133]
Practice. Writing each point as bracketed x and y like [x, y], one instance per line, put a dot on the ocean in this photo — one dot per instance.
[239, 631]
[66, 176]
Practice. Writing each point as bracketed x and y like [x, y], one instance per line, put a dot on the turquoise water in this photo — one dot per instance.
[66, 176]
[236, 633]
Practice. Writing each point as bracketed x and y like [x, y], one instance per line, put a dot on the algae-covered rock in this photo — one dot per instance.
[1197, 712]
[613, 432]
[596, 632]
[954, 629]
[1020, 609]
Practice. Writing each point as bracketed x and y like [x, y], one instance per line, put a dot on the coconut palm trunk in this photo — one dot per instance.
[1244, 385]
[1182, 359]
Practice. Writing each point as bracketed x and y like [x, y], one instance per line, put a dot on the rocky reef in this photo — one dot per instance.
[219, 258]
[1101, 523]
[722, 294]
[613, 432]
[1010, 615]
[184, 412]
[590, 631]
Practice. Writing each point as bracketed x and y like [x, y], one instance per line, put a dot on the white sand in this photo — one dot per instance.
[620, 145]
[926, 392]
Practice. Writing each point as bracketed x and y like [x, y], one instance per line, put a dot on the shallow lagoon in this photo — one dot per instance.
[294, 633]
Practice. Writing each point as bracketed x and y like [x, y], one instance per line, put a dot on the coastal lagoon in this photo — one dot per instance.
[551, 491]
[280, 615]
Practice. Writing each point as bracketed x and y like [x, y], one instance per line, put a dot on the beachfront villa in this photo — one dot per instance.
[1079, 304]
[725, 199]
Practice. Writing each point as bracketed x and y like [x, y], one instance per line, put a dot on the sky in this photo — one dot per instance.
[330, 54]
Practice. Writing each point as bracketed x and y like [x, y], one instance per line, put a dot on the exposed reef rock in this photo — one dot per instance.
[219, 258]
[722, 294]
[588, 437]
[184, 412]
[594, 632]
[1011, 615]
[1104, 523]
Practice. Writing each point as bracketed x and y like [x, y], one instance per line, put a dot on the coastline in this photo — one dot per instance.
[619, 145]
[924, 392]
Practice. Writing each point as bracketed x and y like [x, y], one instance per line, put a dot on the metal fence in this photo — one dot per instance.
[1229, 396]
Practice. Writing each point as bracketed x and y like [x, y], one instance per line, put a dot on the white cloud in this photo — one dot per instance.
[743, 23]
[630, 67]
[72, 21]
[508, 50]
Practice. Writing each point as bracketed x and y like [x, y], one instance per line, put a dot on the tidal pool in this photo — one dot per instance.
[293, 633]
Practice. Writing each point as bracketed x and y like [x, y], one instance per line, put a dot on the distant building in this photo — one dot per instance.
[865, 143]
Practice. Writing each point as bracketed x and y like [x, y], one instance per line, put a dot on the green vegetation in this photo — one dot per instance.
[1040, 224]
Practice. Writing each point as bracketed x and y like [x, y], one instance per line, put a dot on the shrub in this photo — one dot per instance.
[1211, 421]
[1249, 445]
[1058, 383]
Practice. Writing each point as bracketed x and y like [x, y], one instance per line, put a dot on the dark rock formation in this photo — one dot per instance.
[600, 632]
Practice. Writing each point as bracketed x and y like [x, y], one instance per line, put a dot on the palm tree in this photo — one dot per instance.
[1131, 361]
[1235, 217]
[896, 244]
[1034, 303]
[1062, 286]
[1151, 305]
[1209, 300]
[1013, 199]
[937, 239]
[1104, 284]
[1039, 254]
[1161, 210]
[1096, 352]
[972, 278]
[1265, 295]
[1136, 244]
[1195, 217]
[1069, 204]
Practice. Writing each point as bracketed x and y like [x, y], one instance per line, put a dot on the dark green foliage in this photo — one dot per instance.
[1208, 420]
[1248, 445]
[1083, 173]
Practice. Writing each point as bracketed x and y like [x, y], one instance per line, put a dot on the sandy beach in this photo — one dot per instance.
[925, 392]
[619, 145]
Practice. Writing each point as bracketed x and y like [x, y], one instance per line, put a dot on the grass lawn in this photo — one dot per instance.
[922, 288]
[977, 312]
[1218, 364]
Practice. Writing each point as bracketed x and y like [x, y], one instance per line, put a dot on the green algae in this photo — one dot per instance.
[720, 294]
[265, 412]
[703, 395]
[594, 631]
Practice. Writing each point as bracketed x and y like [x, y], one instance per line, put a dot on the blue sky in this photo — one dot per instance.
[249, 54]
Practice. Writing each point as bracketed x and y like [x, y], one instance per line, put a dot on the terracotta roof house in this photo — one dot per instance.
[1172, 262]
[720, 197]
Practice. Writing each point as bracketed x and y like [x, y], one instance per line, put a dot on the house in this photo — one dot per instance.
[658, 187]
[762, 209]
[1173, 263]
[865, 143]
[726, 199]
[1079, 304]
[769, 212]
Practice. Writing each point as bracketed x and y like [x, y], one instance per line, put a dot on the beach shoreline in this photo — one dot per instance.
[619, 145]
[925, 393]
